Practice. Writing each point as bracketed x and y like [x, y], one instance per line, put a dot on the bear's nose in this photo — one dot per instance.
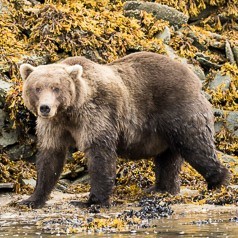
[44, 109]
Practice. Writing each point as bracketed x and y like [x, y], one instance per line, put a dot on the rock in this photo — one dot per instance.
[9, 137]
[232, 122]
[207, 95]
[227, 119]
[207, 63]
[233, 186]
[31, 59]
[165, 36]
[220, 82]
[229, 159]
[17, 152]
[4, 88]
[6, 186]
[196, 42]
[64, 182]
[217, 44]
[216, 36]
[198, 71]
[3, 7]
[30, 181]
[72, 174]
[84, 179]
[173, 16]
[171, 54]
[229, 53]
[189, 192]
[235, 52]
[102, 216]
[34, 59]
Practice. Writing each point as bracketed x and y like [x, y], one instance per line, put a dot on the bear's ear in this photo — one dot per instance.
[26, 70]
[75, 71]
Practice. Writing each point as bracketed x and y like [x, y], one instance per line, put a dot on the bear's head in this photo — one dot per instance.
[49, 89]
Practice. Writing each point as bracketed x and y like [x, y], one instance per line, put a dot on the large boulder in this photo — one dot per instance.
[173, 16]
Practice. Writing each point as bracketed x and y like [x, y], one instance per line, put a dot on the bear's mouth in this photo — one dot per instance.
[45, 116]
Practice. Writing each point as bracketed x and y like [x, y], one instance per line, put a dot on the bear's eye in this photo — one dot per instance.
[56, 90]
[38, 90]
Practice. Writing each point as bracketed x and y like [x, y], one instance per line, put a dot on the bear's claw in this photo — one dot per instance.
[31, 203]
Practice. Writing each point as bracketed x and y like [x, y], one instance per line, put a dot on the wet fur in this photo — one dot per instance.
[143, 105]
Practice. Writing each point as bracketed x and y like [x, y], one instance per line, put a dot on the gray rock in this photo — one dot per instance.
[30, 181]
[195, 41]
[3, 7]
[229, 53]
[2, 118]
[207, 63]
[228, 158]
[235, 52]
[220, 81]
[207, 95]
[165, 36]
[234, 186]
[84, 179]
[173, 16]
[217, 44]
[31, 59]
[6, 185]
[232, 122]
[9, 137]
[171, 54]
[17, 152]
[72, 174]
[198, 71]
[34, 59]
[227, 119]
[4, 87]
[216, 36]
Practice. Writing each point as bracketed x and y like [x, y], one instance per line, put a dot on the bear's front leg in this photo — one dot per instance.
[49, 166]
[102, 171]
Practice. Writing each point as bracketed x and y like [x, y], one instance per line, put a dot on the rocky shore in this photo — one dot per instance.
[41, 32]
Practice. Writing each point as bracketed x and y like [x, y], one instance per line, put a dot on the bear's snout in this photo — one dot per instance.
[47, 110]
[44, 109]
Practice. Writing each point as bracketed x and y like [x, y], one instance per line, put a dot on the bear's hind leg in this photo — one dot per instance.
[193, 139]
[205, 161]
[167, 169]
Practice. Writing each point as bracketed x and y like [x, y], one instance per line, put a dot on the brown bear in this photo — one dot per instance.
[141, 106]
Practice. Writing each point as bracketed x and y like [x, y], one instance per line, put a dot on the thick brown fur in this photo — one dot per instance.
[143, 105]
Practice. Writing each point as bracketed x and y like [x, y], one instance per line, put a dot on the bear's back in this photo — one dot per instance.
[148, 77]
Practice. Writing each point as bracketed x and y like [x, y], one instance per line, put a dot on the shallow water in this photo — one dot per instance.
[210, 224]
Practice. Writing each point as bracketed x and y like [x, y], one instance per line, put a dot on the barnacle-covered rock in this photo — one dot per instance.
[195, 7]
[174, 17]
[220, 81]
